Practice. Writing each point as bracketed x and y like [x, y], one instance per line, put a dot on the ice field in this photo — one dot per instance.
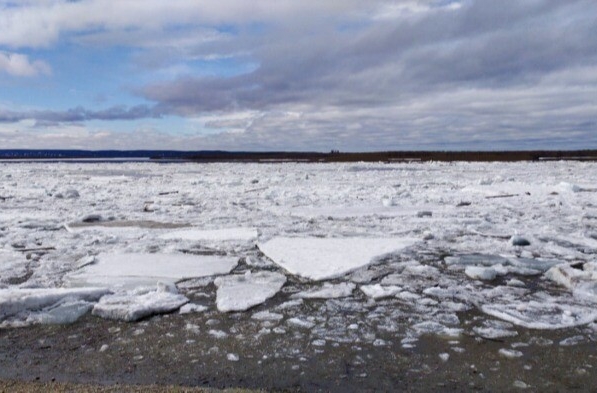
[402, 248]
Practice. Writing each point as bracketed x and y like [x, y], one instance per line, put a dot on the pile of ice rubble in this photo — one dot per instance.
[418, 251]
[132, 286]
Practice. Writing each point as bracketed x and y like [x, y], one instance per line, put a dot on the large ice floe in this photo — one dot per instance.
[359, 253]
[326, 258]
[130, 270]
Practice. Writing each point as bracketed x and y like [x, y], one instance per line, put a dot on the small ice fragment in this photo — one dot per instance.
[476, 259]
[431, 327]
[570, 341]
[327, 291]
[378, 342]
[233, 357]
[104, 348]
[71, 193]
[520, 384]
[192, 308]
[480, 273]
[387, 202]
[515, 283]
[510, 353]
[266, 316]
[377, 291]
[444, 356]
[318, 343]
[300, 323]
[219, 334]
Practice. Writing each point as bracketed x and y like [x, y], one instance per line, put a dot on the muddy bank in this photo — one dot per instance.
[187, 351]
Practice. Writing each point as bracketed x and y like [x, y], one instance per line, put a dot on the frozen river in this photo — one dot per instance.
[336, 254]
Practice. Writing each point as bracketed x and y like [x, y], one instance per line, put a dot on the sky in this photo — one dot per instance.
[308, 75]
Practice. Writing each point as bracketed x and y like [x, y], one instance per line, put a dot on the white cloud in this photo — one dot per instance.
[17, 64]
[40, 24]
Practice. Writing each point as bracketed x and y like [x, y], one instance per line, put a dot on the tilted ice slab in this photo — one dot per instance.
[133, 306]
[241, 292]
[327, 291]
[227, 234]
[542, 314]
[15, 300]
[12, 266]
[326, 258]
[583, 283]
[132, 270]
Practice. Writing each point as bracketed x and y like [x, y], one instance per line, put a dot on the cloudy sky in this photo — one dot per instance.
[353, 75]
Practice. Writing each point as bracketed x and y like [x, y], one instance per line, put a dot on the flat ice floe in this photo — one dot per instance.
[326, 258]
[243, 291]
[226, 234]
[135, 269]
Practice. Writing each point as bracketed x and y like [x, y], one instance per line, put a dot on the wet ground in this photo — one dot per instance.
[180, 350]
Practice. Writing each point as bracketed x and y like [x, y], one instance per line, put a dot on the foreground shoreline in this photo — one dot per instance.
[162, 355]
[16, 386]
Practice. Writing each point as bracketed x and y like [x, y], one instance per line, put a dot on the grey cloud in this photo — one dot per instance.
[80, 114]
[483, 44]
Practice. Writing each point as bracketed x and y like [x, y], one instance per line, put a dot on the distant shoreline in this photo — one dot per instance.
[16, 155]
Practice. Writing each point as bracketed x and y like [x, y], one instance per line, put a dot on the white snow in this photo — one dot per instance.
[129, 270]
[225, 234]
[242, 291]
[326, 258]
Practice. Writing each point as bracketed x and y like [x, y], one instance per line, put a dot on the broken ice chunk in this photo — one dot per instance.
[327, 291]
[14, 301]
[480, 273]
[131, 306]
[377, 291]
[541, 314]
[476, 259]
[241, 292]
